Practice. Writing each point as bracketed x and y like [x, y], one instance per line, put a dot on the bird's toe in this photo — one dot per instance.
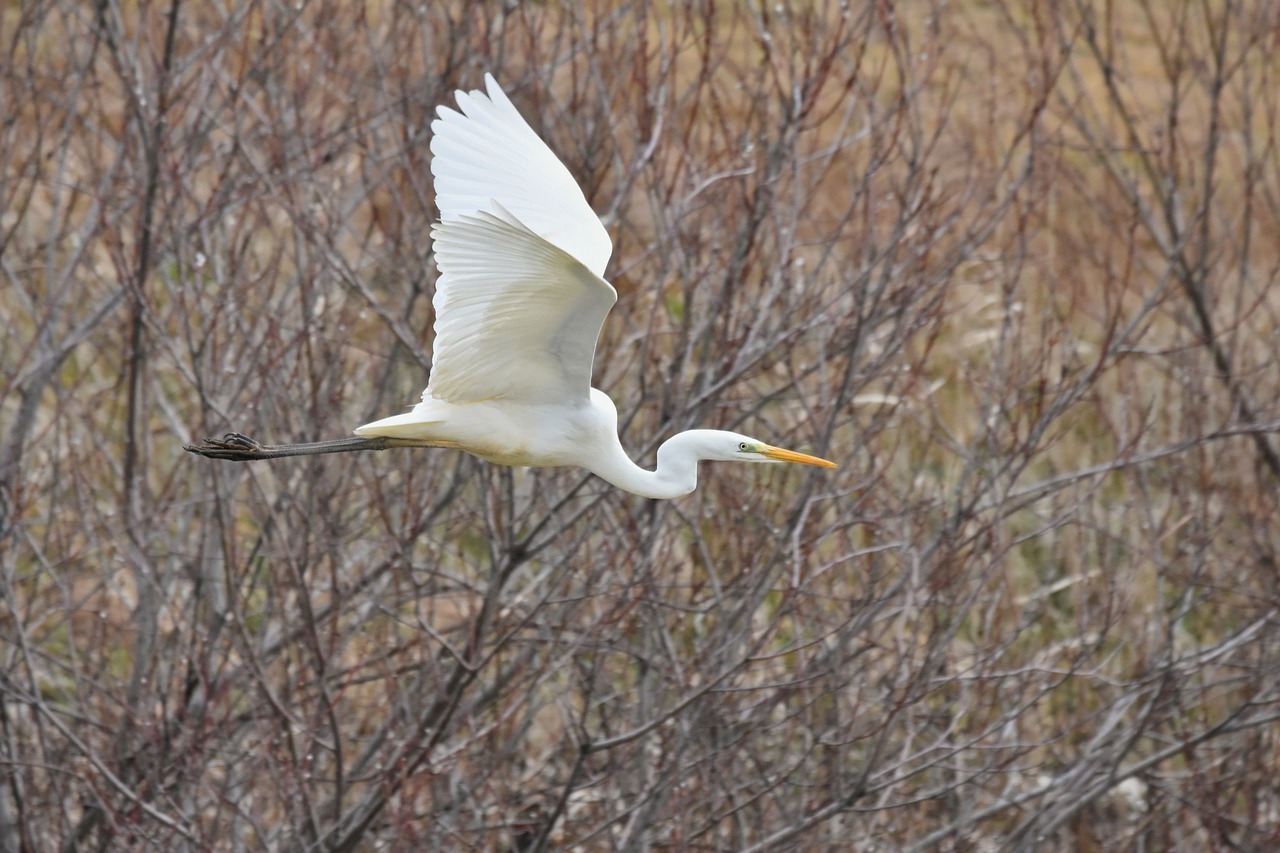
[237, 441]
[232, 446]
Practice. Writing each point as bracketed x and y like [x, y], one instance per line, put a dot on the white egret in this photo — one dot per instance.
[519, 305]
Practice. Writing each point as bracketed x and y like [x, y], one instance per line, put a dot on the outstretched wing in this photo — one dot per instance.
[488, 153]
[517, 318]
[520, 301]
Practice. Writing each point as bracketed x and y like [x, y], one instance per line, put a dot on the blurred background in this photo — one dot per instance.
[1012, 264]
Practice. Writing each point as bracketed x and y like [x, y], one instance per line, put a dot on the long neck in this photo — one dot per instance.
[675, 475]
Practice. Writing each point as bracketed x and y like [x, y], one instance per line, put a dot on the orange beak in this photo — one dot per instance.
[779, 455]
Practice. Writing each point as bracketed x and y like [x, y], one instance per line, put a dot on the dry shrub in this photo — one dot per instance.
[1011, 263]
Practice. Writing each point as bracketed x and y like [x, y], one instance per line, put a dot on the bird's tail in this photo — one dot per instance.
[415, 424]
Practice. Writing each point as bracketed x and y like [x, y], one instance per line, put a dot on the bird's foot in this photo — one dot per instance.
[233, 446]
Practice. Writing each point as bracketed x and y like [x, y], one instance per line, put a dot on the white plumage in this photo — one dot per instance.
[519, 305]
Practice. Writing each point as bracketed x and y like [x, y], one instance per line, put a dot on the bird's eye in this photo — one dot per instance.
[742, 446]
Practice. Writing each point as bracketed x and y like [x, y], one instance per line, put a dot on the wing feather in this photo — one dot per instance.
[488, 154]
[517, 317]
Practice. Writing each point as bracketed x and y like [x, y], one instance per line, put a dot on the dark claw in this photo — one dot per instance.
[233, 446]
[236, 440]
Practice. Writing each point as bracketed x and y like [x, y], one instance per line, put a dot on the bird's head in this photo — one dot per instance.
[733, 447]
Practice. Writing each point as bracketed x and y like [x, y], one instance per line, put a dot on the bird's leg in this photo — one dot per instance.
[235, 447]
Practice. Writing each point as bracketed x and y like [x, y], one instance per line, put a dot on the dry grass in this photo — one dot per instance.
[1012, 263]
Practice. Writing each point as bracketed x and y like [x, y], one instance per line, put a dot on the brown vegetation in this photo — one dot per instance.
[1012, 263]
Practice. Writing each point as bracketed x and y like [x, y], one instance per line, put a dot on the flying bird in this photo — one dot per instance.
[519, 305]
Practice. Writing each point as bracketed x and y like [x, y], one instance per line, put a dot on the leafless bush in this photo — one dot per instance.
[1012, 263]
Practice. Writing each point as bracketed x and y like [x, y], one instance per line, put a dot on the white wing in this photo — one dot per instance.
[488, 153]
[517, 317]
[520, 301]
